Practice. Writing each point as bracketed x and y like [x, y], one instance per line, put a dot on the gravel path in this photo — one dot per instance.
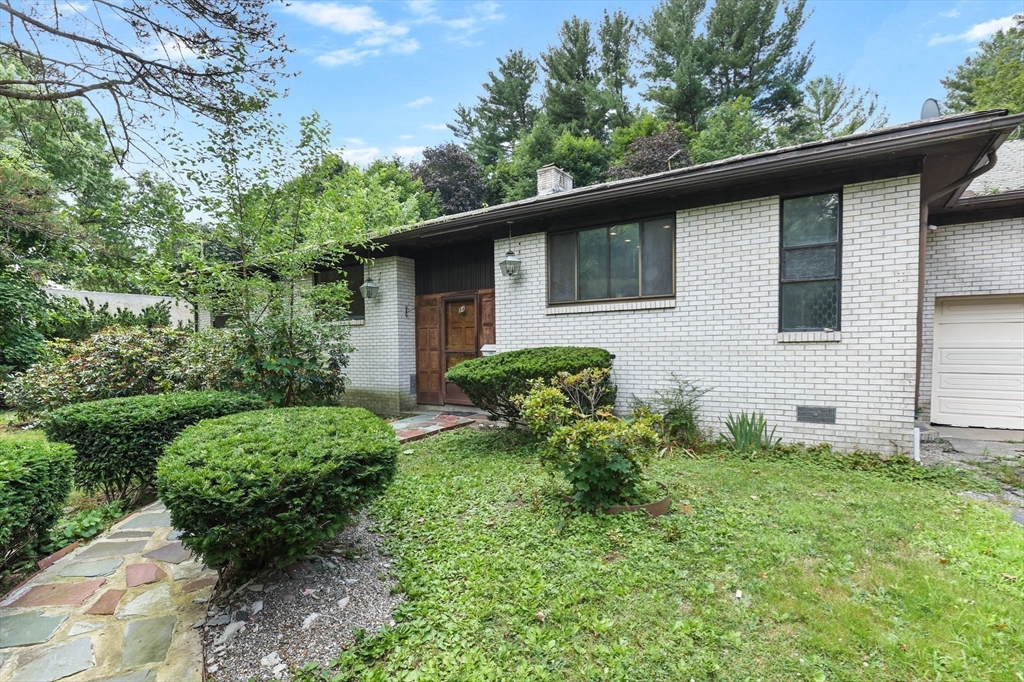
[305, 612]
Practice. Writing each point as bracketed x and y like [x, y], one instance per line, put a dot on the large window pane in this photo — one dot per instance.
[810, 305]
[802, 264]
[592, 264]
[624, 266]
[657, 250]
[562, 261]
[810, 220]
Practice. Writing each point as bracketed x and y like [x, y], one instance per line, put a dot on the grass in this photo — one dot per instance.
[810, 568]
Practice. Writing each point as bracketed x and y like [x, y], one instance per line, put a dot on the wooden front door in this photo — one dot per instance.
[429, 374]
[461, 333]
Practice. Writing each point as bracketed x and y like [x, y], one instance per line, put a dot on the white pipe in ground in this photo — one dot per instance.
[917, 444]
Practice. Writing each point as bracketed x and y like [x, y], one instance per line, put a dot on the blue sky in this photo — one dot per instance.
[388, 75]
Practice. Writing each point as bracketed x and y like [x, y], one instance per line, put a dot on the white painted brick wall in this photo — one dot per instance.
[723, 329]
[384, 355]
[968, 260]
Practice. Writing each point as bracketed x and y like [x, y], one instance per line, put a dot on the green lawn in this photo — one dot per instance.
[769, 570]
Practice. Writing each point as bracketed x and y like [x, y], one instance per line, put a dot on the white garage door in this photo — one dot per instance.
[978, 365]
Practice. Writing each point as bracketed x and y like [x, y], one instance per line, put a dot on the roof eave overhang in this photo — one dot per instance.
[731, 172]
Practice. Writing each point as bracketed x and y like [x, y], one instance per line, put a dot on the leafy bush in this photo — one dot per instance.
[264, 487]
[749, 433]
[35, 479]
[112, 363]
[118, 441]
[679, 408]
[67, 318]
[492, 381]
[601, 456]
[83, 525]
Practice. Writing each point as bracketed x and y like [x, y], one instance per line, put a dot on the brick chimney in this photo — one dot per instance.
[552, 179]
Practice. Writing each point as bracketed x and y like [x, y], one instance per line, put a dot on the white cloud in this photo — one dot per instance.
[417, 103]
[436, 126]
[345, 56]
[480, 13]
[406, 137]
[951, 14]
[976, 32]
[354, 140]
[408, 151]
[344, 18]
[374, 36]
[361, 155]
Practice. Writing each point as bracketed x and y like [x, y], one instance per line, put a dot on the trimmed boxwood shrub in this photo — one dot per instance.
[35, 480]
[264, 487]
[492, 381]
[118, 441]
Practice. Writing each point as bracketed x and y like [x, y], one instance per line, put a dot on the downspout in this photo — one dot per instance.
[921, 255]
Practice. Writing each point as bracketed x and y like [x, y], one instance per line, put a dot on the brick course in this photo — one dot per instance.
[722, 328]
[384, 355]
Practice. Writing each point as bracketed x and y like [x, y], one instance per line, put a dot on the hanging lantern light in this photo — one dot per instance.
[368, 288]
[510, 264]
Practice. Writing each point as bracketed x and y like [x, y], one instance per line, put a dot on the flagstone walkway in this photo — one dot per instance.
[123, 608]
[119, 609]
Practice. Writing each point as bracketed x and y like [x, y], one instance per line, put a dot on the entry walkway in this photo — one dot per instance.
[119, 609]
[122, 608]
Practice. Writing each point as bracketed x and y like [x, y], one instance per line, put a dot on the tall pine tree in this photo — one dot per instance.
[745, 50]
[503, 114]
[571, 90]
[618, 37]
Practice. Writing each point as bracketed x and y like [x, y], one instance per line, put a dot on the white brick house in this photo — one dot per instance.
[800, 282]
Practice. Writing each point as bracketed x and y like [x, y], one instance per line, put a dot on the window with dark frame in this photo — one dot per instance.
[632, 260]
[353, 275]
[810, 264]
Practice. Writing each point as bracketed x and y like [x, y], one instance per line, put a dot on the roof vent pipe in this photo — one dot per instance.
[551, 179]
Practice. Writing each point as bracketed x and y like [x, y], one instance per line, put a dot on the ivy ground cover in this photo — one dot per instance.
[800, 569]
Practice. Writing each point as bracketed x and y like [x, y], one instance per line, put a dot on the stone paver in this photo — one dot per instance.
[141, 574]
[198, 585]
[57, 594]
[73, 656]
[106, 604]
[90, 569]
[30, 627]
[146, 641]
[125, 534]
[147, 520]
[423, 425]
[149, 603]
[104, 549]
[173, 553]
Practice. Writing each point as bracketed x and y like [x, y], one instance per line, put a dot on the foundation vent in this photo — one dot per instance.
[816, 415]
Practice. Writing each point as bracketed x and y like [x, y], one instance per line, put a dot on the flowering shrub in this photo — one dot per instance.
[112, 363]
[601, 456]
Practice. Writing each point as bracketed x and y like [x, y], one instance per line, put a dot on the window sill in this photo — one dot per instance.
[809, 337]
[611, 306]
[356, 323]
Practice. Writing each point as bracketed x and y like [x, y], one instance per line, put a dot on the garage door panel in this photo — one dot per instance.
[980, 407]
[978, 362]
[969, 383]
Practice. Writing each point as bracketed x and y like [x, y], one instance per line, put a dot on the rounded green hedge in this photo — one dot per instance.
[35, 480]
[264, 487]
[491, 381]
[117, 441]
